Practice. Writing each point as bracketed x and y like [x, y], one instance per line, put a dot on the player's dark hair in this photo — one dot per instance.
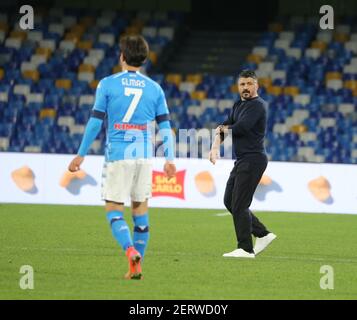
[135, 50]
[248, 74]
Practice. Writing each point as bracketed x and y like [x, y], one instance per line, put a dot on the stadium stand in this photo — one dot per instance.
[309, 77]
[48, 78]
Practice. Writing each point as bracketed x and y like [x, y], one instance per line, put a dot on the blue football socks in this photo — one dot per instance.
[120, 229]
[141, 232]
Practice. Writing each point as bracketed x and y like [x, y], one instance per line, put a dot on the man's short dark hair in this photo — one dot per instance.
[135, 50]
[248, 74]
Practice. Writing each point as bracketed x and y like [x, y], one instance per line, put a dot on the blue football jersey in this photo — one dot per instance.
[131, 102]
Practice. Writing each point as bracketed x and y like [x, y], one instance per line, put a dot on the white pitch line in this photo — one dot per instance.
[222, 214]
[56, 249]
[325, 259]
[258, 257]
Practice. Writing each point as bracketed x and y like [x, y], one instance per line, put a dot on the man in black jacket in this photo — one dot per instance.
[247, 123]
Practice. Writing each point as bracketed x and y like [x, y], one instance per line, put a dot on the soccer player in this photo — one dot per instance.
[247, 122]
[129, 101]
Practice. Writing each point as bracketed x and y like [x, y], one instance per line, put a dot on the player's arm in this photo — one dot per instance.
[220, 134]
[163, 120]
[214, 152]
[92, 129]
[168, 143]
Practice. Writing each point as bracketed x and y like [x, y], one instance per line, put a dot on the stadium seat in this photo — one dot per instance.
[174, 78]
[63, 83]
[254, 58]
[199, 95]
[31, 74]
[194, 78]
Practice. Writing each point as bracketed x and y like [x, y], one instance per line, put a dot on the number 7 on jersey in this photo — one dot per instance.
[134, 103]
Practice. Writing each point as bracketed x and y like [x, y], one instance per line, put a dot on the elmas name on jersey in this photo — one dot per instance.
[133, 82]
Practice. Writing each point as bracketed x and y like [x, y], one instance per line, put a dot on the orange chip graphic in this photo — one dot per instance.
[320, 188]
[265, 181]
[24, 178]
[68, 176]
[205, 184]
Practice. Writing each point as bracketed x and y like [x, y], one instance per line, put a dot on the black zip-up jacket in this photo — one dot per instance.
[247, 121]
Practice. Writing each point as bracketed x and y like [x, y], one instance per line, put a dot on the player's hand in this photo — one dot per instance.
[224, 129]
[218, 129]
[170, 169]
[75, 164]
[213, 155]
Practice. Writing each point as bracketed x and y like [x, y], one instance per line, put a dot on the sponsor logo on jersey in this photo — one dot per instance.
[128, 126]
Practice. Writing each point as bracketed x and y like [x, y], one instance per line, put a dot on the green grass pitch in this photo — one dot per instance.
[74, 256]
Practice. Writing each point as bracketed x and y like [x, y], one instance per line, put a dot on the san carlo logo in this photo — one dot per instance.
[163, 187]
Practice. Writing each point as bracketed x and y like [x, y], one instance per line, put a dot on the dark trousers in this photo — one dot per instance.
[238, 196]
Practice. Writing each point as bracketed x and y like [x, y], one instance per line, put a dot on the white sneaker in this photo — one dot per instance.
[262, 243]
[239, 253]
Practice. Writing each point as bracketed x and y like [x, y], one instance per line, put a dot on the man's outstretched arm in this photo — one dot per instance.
[163, 120]
[218, 139]
[221, 132]
[168, 142]
[92, 129]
